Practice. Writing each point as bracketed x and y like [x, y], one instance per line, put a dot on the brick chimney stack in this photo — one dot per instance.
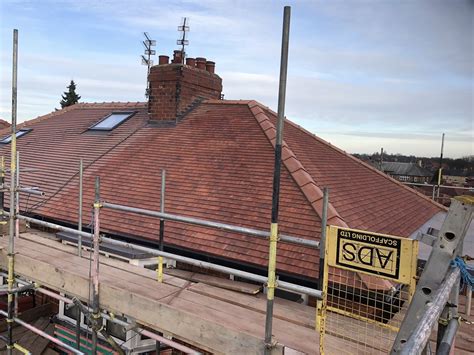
[175, 87]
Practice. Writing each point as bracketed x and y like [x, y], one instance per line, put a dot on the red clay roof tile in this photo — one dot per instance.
[219, 163]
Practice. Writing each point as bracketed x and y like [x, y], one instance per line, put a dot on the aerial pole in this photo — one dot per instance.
[440, 167]
[381, 159]
[183, 41]
[271, 283]
[12, 226]
[148, 43]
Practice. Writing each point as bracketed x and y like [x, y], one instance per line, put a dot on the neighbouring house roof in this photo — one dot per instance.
[219, 166]
[406, 169]
[4, 124]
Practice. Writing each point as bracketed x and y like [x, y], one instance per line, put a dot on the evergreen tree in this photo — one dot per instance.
[70, 97]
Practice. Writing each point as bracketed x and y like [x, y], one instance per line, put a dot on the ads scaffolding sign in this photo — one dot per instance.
[374, 254]
[369, 279]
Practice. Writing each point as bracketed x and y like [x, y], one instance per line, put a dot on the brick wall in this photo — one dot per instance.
[173, 87]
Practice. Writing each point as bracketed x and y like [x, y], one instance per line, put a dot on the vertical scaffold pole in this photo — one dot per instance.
[12, 229]
[17, 194]
[162, 236]
[79, 250]
[95, 267]
[17, 222]
[2, 185]
[271, 282]
[322, 243]
[162, 225]
[322, 282]
[79, 221]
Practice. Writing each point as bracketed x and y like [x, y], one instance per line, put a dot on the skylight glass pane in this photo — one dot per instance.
[112, 121]
[18, 134]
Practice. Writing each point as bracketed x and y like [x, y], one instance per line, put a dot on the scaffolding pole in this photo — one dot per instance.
[162, 237]
[190, 261]
[79, 221]
[95, 266]
[2, 187]
[272, 253]
[125, 324]
[322, 249]
[17, 221]
[212, 224]
[12, 229]
[79, 249]
[42, 334]
[162, 225]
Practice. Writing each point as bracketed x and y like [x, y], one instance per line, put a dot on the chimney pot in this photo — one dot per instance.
[191, 62]
[210, 66]
[163, 59]
[201, 63]
[177, 57]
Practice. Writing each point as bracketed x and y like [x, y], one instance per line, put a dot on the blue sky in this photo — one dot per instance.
[362, 74]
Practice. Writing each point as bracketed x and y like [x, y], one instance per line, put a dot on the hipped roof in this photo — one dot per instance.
[219, 166]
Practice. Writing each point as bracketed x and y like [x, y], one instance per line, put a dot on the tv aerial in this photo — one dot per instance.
[148, 43]
[183, 41]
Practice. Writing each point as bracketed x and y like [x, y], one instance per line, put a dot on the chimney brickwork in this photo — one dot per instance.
[175, 87]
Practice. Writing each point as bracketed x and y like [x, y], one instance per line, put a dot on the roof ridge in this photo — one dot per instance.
[339, 150]
[306, 183]
[228, 102]
[303, 179]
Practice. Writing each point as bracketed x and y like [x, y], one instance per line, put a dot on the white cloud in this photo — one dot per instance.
[385, 68]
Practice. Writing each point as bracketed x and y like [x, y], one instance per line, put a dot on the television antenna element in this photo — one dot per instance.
[183, 41]
[148, 43]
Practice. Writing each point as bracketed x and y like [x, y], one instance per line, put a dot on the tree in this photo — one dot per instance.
[70, 97]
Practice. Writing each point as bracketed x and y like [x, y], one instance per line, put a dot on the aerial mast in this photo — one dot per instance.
[183, 41]
[148, 43]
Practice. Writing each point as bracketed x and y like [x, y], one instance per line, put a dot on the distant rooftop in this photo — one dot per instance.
[407, 169]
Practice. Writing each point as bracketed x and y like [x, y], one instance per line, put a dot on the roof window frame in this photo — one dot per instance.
[130, 115]
[23, 131]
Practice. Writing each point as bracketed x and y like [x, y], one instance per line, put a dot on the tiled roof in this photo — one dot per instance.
[219, 164]
[4, 124]
[408, 169]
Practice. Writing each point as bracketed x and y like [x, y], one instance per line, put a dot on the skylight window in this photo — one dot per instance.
[19, 133]
[111, 121]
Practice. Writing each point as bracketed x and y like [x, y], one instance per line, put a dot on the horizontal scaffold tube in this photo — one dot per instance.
[227, 270]
[211, 224]
[43, 334]
[206, 265]
[51, 225]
